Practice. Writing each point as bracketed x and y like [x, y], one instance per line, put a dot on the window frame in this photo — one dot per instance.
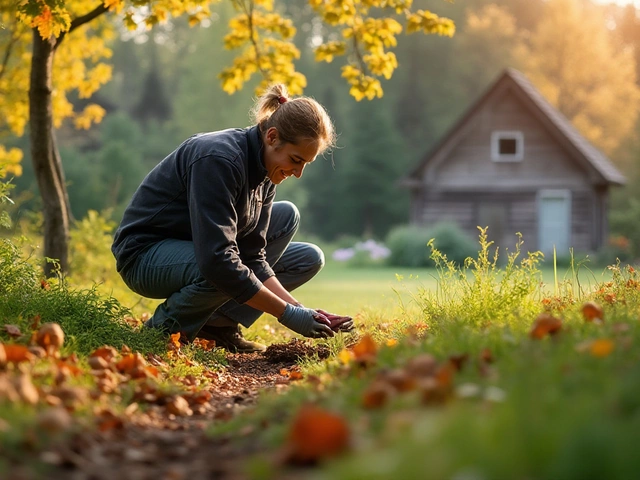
[498, 135]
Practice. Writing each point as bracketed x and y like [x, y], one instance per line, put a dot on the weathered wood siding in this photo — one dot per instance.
[520, 215]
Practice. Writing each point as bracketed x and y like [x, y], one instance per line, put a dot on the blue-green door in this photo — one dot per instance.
[554, 221]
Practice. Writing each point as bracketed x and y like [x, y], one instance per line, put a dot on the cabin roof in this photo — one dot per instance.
[566, 133]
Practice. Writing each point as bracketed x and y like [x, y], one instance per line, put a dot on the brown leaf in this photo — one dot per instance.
[592, 312]
[54, 420]
[17, 353]
[50, 337]
[69, 368]
[399, 379]
[25, 388]
[97, 363]
[178, 406]
[544, 325]
[423, 365]
[106, 352]
[3, 356]
[458, 361]
[486, 356]
[34, 322]
[13, 330]
[316, 434]
[376, 395]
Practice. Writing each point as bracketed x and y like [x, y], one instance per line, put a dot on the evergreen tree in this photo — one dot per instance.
[154, 104]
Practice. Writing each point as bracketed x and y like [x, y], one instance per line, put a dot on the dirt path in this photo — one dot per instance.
[160, 446]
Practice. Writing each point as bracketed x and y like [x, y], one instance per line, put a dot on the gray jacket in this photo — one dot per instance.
[213, 190]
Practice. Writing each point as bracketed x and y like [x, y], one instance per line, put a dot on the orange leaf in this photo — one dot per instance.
[601, 348]
[175, 340]
[366, 349]
[72, 369]
[545, 324]
[106, 352]
[592, 312]
[317, 434]
[131, 362]
[17, 353]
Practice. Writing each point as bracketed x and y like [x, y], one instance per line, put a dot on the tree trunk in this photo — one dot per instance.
[45, 156]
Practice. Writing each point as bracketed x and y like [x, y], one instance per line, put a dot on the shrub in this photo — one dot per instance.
[408, 245]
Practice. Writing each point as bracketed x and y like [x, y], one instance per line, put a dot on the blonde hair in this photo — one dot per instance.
[294, 118]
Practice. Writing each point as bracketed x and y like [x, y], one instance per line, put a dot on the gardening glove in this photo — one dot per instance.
[306, 322]
[339, 323]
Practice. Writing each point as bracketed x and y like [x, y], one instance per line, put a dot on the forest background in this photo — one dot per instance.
[165, 87]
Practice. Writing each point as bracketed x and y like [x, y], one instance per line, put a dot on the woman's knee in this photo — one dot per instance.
[315, 257]
[286, 215]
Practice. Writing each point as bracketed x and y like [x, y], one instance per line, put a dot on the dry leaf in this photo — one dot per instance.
[177, 405]
[316, 434]
[376, 395]
[50, 337]
[13, 330]
[601, 348]
[131, 363]
[54, 420]
[17, 353]
[592, 312]
[365, 350]
[486, 356]
[25, 388]
[399, 379]
[423, 365]
[175, 341]
[97, 363]
[544, 325]
[106, 352]
[3, 356]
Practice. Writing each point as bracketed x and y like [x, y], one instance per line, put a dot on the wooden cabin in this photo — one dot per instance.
[515, 164]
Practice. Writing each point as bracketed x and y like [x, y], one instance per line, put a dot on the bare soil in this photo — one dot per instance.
[161, 446]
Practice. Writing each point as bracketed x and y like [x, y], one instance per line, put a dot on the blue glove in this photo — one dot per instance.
[303, 321]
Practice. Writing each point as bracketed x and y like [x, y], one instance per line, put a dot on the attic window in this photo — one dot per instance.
[507, 146]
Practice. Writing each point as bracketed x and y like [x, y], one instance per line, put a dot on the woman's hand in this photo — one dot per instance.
[307, 322]
[338, 323]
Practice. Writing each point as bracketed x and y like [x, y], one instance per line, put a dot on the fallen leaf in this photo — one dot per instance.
[345, 356]
[105, 352]
[316, 434]
[17, 353]
[50, 337]
[34, 322]
[25, 388]
[54, 420]
[13, 330]
[399, 379]
[544, 325]
[458, 361]
[365, 350]
[175, 341]
[486, 356]
[601, 348]
[392, 342]
[177, 405]
[376, 395]
[423, 365]
[3, 356]
[592, 312]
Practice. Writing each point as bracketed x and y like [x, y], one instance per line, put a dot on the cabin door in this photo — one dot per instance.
[554, 222]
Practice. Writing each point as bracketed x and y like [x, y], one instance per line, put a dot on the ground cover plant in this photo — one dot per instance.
[487, 370]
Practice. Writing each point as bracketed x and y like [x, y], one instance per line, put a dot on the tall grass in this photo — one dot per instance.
[481, 292]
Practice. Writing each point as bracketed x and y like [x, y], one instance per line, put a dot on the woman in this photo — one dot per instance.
[203, 231]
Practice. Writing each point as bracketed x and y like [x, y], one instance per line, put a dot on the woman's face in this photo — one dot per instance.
[285, 159]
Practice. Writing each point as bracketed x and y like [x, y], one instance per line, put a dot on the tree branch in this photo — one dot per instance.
[79, 21]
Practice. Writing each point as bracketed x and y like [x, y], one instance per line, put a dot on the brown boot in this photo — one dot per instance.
[231, 339]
